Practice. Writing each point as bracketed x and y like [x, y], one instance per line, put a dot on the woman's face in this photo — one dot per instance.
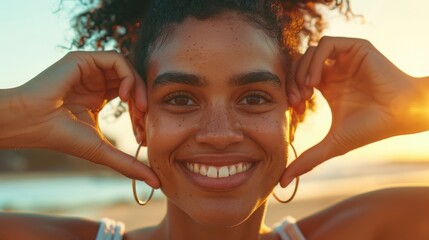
[216, 128]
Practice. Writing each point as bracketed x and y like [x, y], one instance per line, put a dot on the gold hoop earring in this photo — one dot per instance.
[136, 197]
[296, 184]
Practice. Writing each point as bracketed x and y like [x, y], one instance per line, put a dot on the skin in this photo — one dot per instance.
[212, 118]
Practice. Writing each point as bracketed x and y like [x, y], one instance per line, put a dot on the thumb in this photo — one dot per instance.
[309, 159]
[110, 156]
[85, 141]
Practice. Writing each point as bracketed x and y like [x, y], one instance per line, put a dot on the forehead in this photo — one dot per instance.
[225, 43]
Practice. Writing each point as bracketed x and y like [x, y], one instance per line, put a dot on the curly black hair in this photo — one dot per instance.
[135, 27]
[118, 21]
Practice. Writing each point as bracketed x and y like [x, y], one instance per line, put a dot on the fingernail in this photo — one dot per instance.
[152, 183]
[293, 99]
[127, 96]
[288, 181]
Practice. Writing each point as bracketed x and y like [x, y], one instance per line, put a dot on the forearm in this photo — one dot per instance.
[13, 122]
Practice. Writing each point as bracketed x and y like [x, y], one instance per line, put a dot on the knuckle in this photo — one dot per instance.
[365, 42]
[367, 45]
[116, 54]
[311, 49]
[74, 54]
[75, 57]
[71, 55]
[325, 40]
[113, 51]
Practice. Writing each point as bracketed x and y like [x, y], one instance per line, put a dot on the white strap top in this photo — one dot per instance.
[114, 230]
[110, 230]
[287, 229]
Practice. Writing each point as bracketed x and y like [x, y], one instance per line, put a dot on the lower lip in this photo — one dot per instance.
[219, 184]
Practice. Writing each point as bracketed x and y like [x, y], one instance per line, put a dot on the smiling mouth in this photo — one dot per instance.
[218, 171]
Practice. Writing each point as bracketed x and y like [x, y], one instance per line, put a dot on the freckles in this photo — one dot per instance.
[182, 196]
[152, 125]
[194, 54]
[182, 120]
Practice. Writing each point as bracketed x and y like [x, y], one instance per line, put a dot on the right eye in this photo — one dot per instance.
[180, 99]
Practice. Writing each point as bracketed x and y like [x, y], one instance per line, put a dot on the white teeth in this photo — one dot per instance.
[239, 167]
[196, 168]
[232, 170]
[191, 167]
[203, 170]
[223, 172]
[218, 172]
[212, 172]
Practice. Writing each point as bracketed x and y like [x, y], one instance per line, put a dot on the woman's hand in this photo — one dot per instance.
[58, 110]
[370, 98]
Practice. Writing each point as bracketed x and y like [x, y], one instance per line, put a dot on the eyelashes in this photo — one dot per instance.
[255, 98]
[248, 98]
[180, 99]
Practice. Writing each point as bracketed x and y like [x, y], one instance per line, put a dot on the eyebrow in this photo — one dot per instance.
[179, 78]
[198, 81]
[255, 77]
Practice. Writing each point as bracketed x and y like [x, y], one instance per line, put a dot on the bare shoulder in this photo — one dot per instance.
[393, 213]
[144, 233]
[33, 226]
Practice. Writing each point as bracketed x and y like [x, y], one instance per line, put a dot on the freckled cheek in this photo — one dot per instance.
[270, 131]
[272, 125]
[164, 134]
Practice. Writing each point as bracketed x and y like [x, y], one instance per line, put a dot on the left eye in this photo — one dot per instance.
[181, 101]
[254, 99]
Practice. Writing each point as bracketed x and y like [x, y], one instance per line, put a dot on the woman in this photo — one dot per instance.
[217, 121]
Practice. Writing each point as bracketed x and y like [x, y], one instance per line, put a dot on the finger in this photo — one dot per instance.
[302, 76]
[307, 161]
[127, 90]
[300, 108]
[112, 80]
[93, 146]
[292, 90]
[345, 65]
[140, 93]
[112, 60]
[129, 166]
[328, 48]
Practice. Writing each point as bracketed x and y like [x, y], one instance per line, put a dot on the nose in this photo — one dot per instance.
[219, 127]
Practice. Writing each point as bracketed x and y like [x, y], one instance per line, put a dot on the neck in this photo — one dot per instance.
[177, 225]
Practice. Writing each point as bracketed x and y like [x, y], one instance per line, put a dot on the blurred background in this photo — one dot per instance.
[35, 34]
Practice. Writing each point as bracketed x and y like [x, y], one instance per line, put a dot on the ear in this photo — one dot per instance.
[138, 121]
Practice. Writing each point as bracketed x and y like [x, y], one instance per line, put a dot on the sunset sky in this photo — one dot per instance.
[31, 36]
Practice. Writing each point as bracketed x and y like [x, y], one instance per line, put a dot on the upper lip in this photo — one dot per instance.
[218, 159]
